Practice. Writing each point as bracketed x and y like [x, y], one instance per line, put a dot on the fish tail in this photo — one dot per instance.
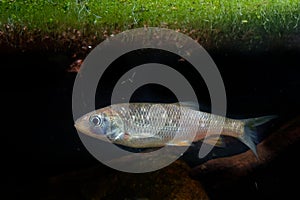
[250, 135]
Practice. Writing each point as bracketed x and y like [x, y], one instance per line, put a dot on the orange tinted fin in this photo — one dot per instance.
[183, 143]
[215, 141]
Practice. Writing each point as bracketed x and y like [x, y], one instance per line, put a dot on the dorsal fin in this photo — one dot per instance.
[189, 104]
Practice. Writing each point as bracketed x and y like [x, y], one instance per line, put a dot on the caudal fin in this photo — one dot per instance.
[250, 136]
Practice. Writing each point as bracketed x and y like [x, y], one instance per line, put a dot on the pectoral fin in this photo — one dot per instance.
[143, 136]
[144, 141]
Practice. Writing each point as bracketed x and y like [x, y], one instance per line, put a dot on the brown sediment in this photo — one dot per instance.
[172, 182]
[78, 43]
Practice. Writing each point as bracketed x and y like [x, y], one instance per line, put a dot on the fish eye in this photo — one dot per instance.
[96, 120]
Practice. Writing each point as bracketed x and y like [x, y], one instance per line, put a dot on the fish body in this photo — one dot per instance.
[148, 125]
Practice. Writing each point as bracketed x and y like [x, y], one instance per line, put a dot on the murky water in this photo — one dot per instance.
[39, 93]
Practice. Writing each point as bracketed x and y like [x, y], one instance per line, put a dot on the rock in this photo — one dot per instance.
[268, 150]
[270, 176]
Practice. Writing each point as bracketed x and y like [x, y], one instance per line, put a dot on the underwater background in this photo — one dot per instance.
[255, 45]
[47, 160]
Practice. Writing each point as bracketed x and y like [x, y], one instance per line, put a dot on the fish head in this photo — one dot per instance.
[101, 123]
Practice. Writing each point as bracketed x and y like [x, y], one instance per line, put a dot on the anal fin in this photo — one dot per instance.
[183, 143]
[215, 141]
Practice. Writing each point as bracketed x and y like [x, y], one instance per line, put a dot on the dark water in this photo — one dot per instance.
[41, 141]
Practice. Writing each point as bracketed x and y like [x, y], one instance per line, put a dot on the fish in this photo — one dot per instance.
[151, 125]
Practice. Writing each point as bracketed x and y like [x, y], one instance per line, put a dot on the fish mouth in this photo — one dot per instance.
[82, 126]
[78, 127]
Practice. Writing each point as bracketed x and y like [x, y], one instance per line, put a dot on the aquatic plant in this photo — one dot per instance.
[212, 22]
